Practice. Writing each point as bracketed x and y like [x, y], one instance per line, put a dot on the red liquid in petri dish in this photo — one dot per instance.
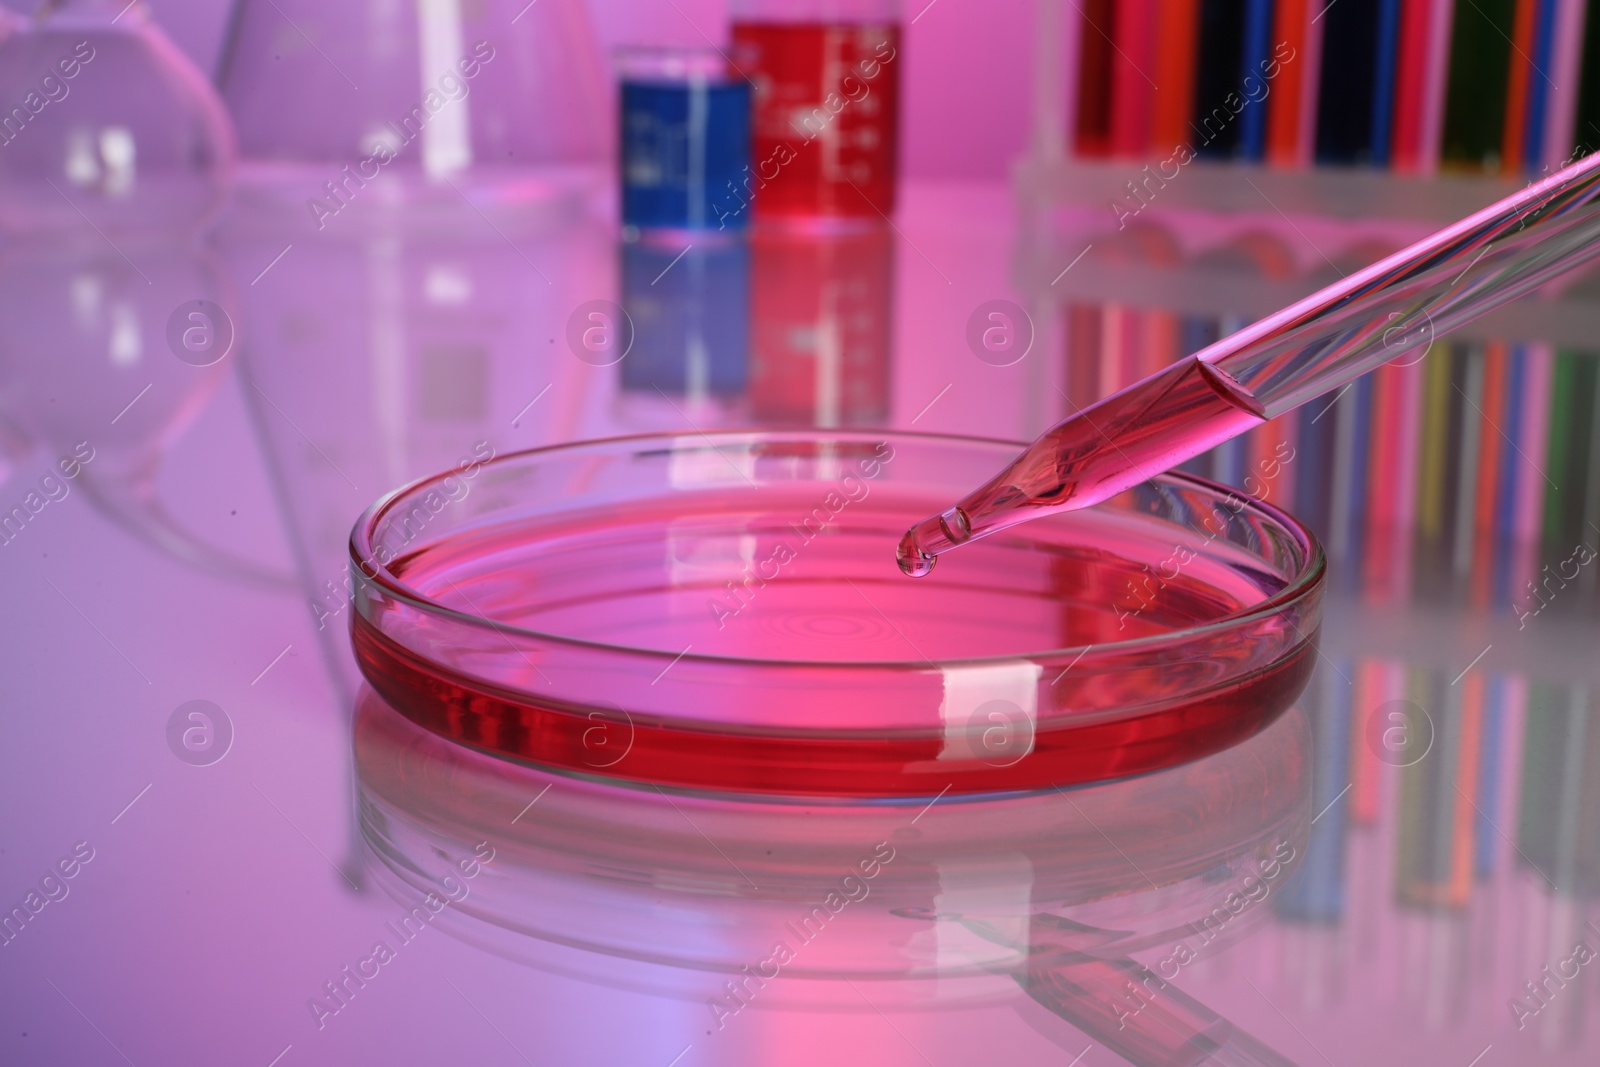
[825, 133]
[826, 676]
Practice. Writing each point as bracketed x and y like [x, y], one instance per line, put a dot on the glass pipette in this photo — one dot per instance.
[1389, 311]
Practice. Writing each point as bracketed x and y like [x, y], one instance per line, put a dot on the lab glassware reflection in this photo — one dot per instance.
[380, 351]
[821, 311]
[785, 327]
[1030, 900]
[456, 343]
[107, 356]
[688, 305]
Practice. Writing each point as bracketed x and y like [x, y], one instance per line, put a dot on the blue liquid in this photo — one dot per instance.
[685, 148]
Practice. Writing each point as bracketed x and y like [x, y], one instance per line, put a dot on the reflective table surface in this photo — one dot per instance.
[219, 847]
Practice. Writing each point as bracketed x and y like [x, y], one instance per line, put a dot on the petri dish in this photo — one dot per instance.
[722, 612]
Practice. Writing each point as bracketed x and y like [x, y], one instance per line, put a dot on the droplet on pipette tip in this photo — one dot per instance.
[914, 562]
[936, 534]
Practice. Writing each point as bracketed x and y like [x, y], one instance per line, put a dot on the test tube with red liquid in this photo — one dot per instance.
[825, 135]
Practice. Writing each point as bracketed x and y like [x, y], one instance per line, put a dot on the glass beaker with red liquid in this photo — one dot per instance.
[825, 135]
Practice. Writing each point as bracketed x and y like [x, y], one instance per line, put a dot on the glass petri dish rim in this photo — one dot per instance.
[1304, 584]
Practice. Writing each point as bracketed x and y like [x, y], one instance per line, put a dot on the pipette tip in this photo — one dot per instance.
[913, 561]
[920, 547]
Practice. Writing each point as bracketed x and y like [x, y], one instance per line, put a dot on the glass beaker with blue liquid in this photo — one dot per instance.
[685, 141]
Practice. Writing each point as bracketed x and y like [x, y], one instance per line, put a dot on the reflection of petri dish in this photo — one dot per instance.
[592, 879]
[723, 612]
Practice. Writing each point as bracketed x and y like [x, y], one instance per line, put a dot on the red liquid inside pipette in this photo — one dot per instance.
[1115, 444]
